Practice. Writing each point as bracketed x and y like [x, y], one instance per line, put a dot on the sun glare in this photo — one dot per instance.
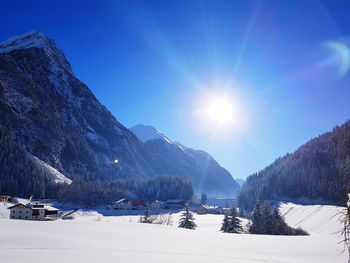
[217, 111]
[220, 110]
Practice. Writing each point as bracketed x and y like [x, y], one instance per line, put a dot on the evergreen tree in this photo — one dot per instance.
[225, 223]
[259, 218]
[231, 223]
[268, 221]
[187, 220]
[204, 199]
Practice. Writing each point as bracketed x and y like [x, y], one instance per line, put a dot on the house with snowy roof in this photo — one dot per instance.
[126, 204]
[206, 209]
[122, 204]
[5, 198]
[33, 212]
[158, 205]
[175, 204]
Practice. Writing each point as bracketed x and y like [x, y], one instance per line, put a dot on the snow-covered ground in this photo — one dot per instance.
[94, 238]
[316, 219]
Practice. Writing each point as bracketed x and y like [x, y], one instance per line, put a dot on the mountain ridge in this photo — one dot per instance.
[205, 172]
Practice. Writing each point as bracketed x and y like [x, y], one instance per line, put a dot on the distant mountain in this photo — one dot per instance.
[318, 172]
[148, 133]
[240, 181]
[173, 158]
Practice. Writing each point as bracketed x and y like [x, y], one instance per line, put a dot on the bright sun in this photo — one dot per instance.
[220, 110]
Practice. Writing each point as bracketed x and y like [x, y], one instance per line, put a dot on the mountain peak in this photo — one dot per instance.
[28, 40]
[146, 133]
[35, 39]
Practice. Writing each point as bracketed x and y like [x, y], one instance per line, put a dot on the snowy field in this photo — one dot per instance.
[94, 238]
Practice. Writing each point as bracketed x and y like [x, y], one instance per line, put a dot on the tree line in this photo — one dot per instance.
[318, 170]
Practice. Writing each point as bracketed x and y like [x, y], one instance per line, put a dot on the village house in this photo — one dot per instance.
[5, 198]
[175, 204]
[33, 212]
[138, 204]
[206, 209]
[158, 205]
[122, 204]
[126, 204]
[44, 212]
[222, 202]
[20, 211]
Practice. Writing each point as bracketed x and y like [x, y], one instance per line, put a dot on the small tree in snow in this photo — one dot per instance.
[146, 217]
[225, 223]
[231, 223]
[204, 199]
[187, 220]
[346, 229]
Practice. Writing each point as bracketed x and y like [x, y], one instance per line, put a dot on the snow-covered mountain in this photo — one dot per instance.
[147, 133]
[53, 129]
[56, 119]
[173, 158]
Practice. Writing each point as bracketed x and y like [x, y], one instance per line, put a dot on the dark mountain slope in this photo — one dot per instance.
[56, 117]
[318, 170]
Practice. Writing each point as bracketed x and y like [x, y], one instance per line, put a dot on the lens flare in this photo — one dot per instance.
[338, 56]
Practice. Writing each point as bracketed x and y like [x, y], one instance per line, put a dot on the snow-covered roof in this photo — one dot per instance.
[124, 200]
[15, 205]
[33, 206]
[50, 208]
[210, 207]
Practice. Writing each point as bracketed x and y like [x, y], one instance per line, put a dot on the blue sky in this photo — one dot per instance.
[150, 61]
